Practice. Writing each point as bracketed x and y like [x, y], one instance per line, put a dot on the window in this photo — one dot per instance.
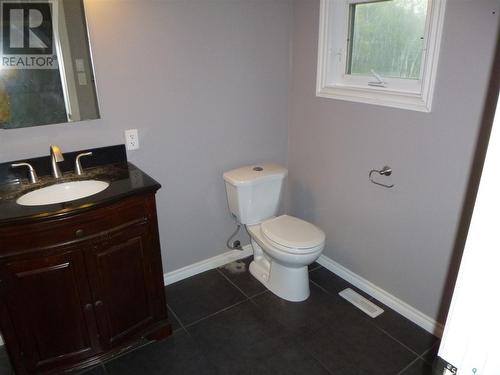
[380, 52]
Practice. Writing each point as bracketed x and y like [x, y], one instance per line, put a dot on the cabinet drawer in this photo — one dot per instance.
[81, 226]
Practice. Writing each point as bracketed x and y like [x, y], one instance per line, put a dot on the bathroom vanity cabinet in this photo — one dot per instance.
[77, 288]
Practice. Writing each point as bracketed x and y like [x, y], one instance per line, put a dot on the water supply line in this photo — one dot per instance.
[236, 245]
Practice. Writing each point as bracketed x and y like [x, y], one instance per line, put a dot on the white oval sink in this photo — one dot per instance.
[64, 192]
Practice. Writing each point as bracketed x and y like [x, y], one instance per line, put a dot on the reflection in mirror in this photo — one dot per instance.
[46, 71]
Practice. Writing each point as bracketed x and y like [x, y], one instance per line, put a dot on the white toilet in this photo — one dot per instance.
[283, 246]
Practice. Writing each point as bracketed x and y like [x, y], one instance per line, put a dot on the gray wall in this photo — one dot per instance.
[205, 82]
[399, 239]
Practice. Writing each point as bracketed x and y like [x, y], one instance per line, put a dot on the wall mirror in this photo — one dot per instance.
[46, 71]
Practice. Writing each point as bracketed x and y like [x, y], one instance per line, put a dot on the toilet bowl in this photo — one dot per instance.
[283, 248]
[283, 245]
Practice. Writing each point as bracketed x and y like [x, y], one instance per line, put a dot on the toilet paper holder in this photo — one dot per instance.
[385, 171]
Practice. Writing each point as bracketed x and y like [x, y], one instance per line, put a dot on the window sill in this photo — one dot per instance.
[381, 97]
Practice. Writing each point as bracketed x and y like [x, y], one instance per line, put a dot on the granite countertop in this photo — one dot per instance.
[124, 178]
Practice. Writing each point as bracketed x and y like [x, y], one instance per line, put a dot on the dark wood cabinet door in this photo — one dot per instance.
[77, 289]
[46, 310]
[122, 284]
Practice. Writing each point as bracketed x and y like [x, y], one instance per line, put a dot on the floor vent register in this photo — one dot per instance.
[361, 302]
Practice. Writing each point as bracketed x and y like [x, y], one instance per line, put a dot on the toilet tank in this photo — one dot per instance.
[254, 191]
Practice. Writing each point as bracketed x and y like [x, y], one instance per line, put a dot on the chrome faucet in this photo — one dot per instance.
[56, 156]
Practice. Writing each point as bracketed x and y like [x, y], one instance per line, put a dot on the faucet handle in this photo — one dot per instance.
[32, 174]
[78, 165]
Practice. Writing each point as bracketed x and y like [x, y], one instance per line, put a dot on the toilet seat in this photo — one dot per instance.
[292, 235]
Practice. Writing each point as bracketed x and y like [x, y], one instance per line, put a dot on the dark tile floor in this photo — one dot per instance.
[226, 322]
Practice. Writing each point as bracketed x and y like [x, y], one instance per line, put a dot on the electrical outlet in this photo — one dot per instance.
[132, 139]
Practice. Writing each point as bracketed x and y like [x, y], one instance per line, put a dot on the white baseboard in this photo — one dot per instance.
[401, 307]
[207, 264]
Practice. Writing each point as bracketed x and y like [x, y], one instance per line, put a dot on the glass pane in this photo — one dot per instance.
[388, 37]
[46, 73]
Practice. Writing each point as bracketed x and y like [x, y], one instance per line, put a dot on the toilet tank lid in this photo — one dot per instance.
[255, 173]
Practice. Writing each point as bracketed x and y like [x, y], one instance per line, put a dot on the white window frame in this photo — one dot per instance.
[332, 81]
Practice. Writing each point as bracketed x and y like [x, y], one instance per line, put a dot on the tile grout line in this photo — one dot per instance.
[348, 285]
[395, 339]
[315, 268]
[425, 361]
[259, 294]
[426, 352]
[250, 298]
[319, 286]
[215, 313]
[364, 315]
[407, 367]
[184, 329]
[326, 290]
[404, 345]
[232, 283]
[176, 317]
[322, 364]
[313, 356]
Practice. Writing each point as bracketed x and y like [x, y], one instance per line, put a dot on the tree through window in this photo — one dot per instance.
[387, 37]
